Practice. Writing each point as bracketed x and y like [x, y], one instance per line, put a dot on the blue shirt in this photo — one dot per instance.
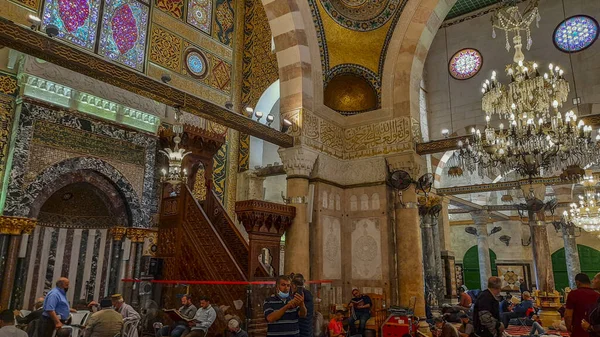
[56, 301]
[287, 325]
[306, 323]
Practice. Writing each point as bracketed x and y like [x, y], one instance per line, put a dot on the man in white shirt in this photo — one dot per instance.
[7, 325]
[205, 317]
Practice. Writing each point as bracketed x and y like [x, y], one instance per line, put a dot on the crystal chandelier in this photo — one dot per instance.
[175, 175]
[509, 19]
[533, 135]
[586, 213]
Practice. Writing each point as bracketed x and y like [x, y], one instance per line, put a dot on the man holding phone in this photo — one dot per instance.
[360, 307]
[305, 323]
[282, 310]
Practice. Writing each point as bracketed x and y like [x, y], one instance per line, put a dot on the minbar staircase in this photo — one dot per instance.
[199, 241]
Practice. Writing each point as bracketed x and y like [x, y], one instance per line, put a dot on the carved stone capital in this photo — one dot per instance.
[137, 235]
[481, 217]
[298, 161]
[13, 225]
[409, 162]
[117, 233]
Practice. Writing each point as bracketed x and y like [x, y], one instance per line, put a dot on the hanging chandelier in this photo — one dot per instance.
[532, 135]
[586, 213]
[175, 175]
[510, 19]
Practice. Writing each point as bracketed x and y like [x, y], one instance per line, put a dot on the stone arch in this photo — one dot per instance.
[286, 19]
[405, 59]
[54, 177]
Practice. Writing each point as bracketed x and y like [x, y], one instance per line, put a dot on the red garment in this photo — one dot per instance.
[465, 300]
[581, 301]
[336, 326]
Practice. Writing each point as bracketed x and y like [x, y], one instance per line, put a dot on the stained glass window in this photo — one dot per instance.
[195, 62]
[465, 64]
[576, 33]
[123, 34]
[199, 14]
[77, 20]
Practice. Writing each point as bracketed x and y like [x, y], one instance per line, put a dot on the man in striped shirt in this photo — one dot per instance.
[282, 310]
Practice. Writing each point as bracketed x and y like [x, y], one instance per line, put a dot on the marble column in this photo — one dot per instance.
[298, 163]
[480, 218]
[571, 253]
[13, 227]
[411, 285]
[117, 234]
[429, 265]
[448, 258]
[439, 275]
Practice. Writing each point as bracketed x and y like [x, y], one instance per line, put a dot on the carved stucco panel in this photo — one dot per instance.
[332, 248]
[366, 250]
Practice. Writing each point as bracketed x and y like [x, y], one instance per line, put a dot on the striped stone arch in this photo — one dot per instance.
[293, 56]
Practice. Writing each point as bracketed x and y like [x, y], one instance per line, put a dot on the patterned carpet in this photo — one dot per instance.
[517, 330]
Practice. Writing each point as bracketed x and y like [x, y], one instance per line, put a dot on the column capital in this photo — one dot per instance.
[117, 233]
[14, 225]
[480, 217]
[137, 234]
[412, 163]
[298, 161]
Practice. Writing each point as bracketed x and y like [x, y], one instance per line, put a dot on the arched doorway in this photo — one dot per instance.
[75, 215]
[471, 267]
[589, 258]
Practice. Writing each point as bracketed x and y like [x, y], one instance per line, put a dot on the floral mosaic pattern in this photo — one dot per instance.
[199, 14]
[76, 20]
[123, 35]
[362, 15]
[576, 33]
[173, 7]
[223, 23]
[465, 64]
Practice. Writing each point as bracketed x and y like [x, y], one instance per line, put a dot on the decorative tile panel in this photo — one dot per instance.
[220, 172]
[123, 34]
[224, 21]
[172, 7]
[77, 20]
[165, 48]
[199, 14]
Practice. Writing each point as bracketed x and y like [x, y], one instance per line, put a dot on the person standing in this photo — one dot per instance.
[56, 309]
[7, 325]
[580, 303]
[305, 324]
[360, 311]
[104, 323]
[205, 317]
[282, 310]
[523, 285]
[486, 310]
[592, 324]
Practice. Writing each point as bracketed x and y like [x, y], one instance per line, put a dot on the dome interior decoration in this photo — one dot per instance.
[350, 94]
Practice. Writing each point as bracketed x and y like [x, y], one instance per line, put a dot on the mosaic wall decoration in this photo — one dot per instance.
[173, 7]
[510, 276]
[361, 15]
[199, 191]
[123, 35]
[220, 172]
[77, 20]
[21, 194]
[224, 21]
[195, 63]
[259, 68]
[33, 4]
[465, 64]
[220, 74]
[8, 85]
[6, 119]
[199, 14]
[576, 33]
[165, 48]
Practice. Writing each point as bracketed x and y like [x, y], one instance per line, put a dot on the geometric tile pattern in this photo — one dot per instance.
[165, 48]
[173, 7]
[462, 7]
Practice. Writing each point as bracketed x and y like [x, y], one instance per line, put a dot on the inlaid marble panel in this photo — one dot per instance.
[332, 248]
[366, 249]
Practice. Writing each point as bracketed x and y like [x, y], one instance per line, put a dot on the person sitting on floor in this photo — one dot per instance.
[536, 326]
[444, 329]
[519, 311]
[464, 299]
[466, 328]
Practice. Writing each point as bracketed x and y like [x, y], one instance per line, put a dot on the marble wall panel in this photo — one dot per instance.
[332, 248]
[366, 250]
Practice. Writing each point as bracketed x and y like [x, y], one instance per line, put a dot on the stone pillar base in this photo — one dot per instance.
[424, 328]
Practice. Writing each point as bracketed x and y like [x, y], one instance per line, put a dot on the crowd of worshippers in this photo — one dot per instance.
[489, 314]
[52, 316]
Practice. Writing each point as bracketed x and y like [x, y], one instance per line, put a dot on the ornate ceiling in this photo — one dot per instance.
[462, 7]
[353, 39]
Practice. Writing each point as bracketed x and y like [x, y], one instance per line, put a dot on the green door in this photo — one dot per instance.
[589, 258]
[471, 267]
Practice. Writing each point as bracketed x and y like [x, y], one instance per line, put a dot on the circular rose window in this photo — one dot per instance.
[575, 33]
[195, 63]
[465, 64]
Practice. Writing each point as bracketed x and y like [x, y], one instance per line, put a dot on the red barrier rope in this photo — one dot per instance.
[190, 282]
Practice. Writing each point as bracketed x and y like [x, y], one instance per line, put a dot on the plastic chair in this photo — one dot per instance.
[130, 328]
